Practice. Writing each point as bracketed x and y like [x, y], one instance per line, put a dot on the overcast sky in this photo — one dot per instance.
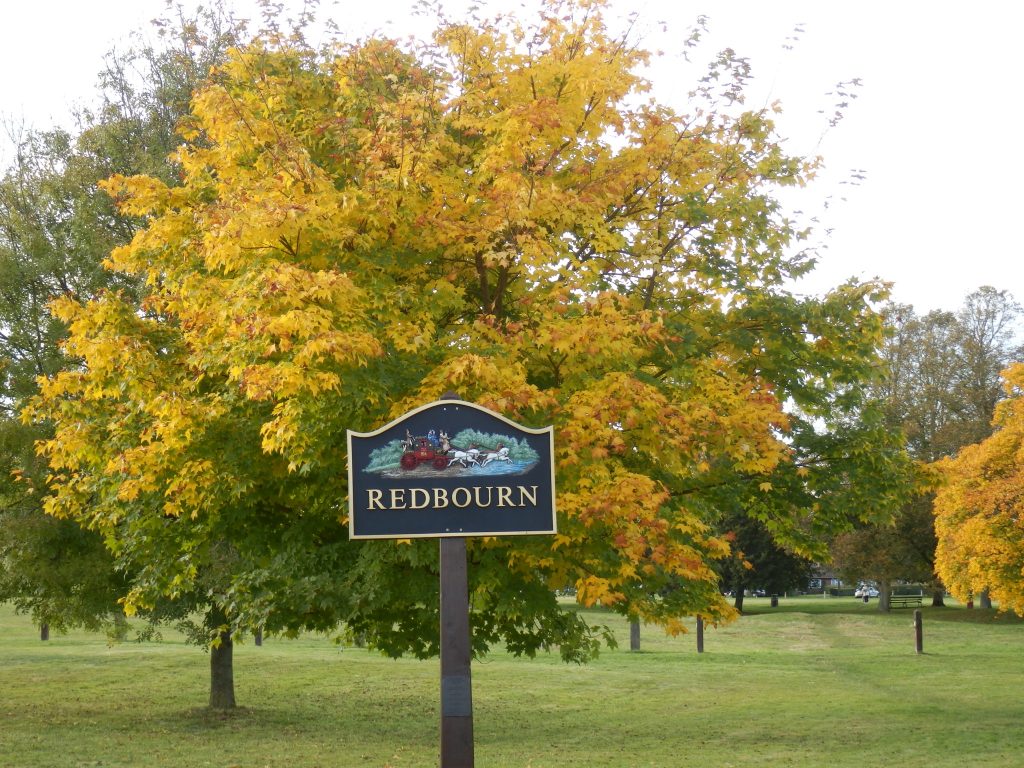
[934, 131]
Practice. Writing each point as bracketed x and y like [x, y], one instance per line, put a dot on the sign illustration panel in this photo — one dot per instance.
[451, 468]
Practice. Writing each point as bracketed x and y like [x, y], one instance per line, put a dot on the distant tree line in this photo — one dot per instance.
[941, 389]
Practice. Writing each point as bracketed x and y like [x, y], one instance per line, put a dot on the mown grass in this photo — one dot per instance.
[814, 682]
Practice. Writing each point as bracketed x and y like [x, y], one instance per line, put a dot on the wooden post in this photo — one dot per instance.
[918, 631]
[700, 634]
[456, 685]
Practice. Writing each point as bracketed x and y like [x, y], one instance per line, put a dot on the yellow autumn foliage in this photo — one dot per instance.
[358, 233]
[979, 508]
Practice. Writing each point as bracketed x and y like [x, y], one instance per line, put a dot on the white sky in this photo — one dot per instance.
[935, 127]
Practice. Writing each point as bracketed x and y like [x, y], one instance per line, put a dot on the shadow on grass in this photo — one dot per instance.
[207, 719]
[855, 607]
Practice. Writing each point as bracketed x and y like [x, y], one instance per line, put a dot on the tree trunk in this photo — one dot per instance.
[939, 598]
[984, 599]
[739, 587]
[884, 591]
[634, 635]
[44, 631]
[222, 674]
[258, 637]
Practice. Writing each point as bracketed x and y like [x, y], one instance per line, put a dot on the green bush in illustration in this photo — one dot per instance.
[389, 456]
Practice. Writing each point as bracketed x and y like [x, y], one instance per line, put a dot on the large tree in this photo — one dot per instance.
[499, 213]
[978, 510]
[943, 382]
[989, 339]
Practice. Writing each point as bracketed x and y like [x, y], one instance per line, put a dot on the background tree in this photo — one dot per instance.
[944, 381]
[56, 228]
[978, 509]
[757, 562]
[887, 554]
[989, 339]
[941, 390]
[501, 214]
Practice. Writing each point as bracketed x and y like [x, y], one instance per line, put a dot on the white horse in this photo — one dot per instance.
[499, 455]
[465, 458]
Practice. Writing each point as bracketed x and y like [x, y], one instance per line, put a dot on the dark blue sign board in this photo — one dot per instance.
[450, 468]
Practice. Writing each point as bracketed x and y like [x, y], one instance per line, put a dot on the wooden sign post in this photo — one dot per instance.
[449, 470]
[456, 682]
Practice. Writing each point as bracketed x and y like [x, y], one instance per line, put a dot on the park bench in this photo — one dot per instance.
[905, 601]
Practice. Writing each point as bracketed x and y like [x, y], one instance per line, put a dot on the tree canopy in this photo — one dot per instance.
[940, 390]
[978, 509]
[502, 212]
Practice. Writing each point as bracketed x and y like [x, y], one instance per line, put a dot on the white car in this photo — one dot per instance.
[865, 590]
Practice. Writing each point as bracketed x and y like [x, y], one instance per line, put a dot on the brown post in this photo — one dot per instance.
[918, 631]
[456, 685]
[700, 634]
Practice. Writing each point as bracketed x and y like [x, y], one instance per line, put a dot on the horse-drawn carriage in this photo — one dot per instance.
[438, 451]
[419, 450]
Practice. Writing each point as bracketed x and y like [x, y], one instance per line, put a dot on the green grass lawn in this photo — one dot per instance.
[814, 682]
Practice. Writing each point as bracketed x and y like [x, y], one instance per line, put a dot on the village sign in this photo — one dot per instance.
[450, 468]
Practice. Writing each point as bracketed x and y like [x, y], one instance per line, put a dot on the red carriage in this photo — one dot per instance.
[421, 451]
